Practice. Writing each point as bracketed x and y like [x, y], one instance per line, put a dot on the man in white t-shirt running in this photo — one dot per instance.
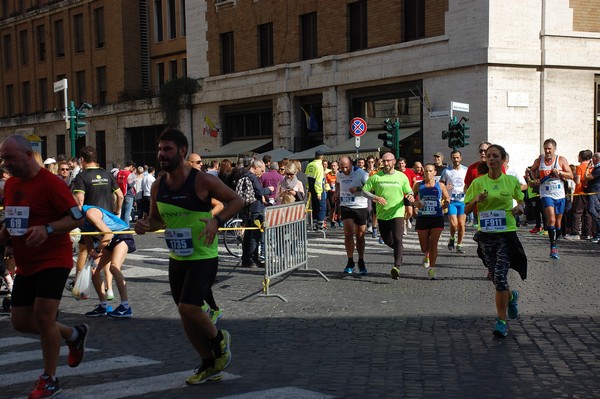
[354, 211]
[454, 179]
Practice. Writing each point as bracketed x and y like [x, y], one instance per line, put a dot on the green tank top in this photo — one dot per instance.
[181, 210]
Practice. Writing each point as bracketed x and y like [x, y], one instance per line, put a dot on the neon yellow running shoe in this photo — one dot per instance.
[431, 273]
[223, 358]
[426, 260]
[215, 315]
[204, 374]
[205, 308]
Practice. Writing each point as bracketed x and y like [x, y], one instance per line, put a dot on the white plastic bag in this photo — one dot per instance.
[83, 283]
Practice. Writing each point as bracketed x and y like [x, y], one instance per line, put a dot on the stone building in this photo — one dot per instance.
[115, 55]
[528, 71]
[293, 74]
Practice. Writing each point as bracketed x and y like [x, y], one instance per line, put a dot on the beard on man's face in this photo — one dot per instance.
[170, 164]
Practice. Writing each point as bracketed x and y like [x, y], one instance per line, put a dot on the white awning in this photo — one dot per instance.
[369, 141]
[310, 153]
[236, 148]
[277, 154]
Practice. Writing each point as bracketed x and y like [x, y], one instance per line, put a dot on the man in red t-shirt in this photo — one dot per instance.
[126, 181]
[407, 204]
[472, 172]
[418, 169]
[40, 211]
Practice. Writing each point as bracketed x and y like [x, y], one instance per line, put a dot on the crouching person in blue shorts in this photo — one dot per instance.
[108, 248]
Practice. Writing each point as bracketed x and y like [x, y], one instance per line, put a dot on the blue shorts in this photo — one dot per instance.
[456, 208]
[557, 204]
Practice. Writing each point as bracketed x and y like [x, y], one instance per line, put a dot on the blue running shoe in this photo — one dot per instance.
[513, 306]
[554, 253]
[99, 311]
[362, 267]
[121, 312]
[451, 245]
[501, 329]
[381, 241]
[349, 267]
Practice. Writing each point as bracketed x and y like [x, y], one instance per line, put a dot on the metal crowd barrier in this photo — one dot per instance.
[285, 242]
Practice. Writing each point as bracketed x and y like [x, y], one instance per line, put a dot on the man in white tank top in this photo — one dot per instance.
[552, 170]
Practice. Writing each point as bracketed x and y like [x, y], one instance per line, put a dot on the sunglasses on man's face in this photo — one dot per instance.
[197, 162]
[61, 169]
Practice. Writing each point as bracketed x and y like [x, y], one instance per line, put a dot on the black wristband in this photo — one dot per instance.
[220, 221]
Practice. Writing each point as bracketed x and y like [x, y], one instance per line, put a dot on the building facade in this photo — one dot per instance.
[115, 56]
[294, 74]
[527, 75]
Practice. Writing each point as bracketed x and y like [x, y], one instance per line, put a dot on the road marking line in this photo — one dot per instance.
[12, 341]
[325, 252]
[130, 271]
[164, 250]
[26, 356]
[147, 257]
[136, 386]
[94, 367]
[286, 392]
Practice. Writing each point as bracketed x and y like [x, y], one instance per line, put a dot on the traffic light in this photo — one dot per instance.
[76, 122]
[456, 133]
[452, 134]
[391, 137]
[388, 136]
[79, 123]
[464, 128]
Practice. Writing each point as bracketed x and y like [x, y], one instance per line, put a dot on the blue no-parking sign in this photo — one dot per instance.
[358, 127]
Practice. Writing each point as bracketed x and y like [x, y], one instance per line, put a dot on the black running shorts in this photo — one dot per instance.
[48, 283]
[359, 215]
[192, 280]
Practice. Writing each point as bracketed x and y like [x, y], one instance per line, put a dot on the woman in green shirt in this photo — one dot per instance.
[493, 194]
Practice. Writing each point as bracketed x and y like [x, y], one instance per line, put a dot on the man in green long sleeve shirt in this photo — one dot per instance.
[316, 187]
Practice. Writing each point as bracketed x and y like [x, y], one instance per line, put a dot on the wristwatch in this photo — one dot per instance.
[49, 229]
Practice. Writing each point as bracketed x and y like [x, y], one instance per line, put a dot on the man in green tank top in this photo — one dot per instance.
[180, 202]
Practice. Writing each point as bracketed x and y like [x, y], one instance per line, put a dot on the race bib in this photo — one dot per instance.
[347, 200]
[554, 186]
[429, 208]
[16, 220]
[457, 196]
[179, 241]
[492, 221]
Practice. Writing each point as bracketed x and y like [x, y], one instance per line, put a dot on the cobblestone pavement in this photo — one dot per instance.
[351, 337]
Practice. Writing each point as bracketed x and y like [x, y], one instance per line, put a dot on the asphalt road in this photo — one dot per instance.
[351, 337]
